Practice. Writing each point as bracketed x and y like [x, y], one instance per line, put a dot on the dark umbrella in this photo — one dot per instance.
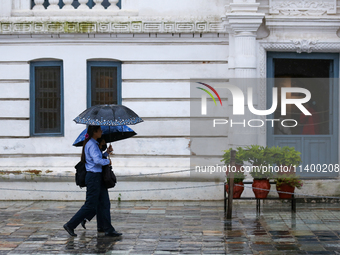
[110, 134]
[108, 115]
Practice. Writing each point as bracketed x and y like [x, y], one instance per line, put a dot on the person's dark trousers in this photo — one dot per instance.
[99, 221]
[90, 217]
[103, 209]
[97, 202]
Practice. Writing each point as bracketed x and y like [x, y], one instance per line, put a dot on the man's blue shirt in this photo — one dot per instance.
[94, 157]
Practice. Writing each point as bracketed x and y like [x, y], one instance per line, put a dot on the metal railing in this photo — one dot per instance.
[75, 4]
[50, 8]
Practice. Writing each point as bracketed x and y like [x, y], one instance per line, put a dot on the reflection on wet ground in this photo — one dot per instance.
[170, 227]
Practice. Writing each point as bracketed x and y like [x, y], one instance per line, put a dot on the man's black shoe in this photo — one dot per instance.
[100, 230]
[83, 223]
[113, 233]
[69, 230]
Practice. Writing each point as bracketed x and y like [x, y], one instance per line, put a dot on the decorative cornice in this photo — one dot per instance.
[302, 7]
[41, 26]
[304, 24]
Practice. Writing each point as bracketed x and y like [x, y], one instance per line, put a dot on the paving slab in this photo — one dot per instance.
[172, 227]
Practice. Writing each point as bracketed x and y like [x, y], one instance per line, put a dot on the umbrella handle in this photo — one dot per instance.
[110, 142]
[110, 152]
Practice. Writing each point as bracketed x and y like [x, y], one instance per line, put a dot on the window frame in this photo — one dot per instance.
[116, 64]
[33, 65]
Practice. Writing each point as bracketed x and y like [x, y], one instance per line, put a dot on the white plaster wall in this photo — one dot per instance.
[176, 7]
[63, 145]
[71, 192]
[19, 4]
[171, 127]
[155, 84]
[264, 6]
[78, 50]
[6, 7]
[156, 81]
[68, 191]
[174, 89]
[168, 71]
[14, 71]
[14, 109]
[14, 90]
[57, 161]
[14, 128]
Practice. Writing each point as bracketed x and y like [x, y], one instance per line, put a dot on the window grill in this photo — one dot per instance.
[47, 99]
[104, 85]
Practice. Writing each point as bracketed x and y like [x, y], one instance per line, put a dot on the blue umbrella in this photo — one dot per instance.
[110, 134]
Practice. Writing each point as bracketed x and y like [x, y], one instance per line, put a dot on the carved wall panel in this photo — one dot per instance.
[302, 7]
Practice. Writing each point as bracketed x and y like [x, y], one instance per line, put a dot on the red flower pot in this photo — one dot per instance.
[285, 188]
[261, 184]
[286, 170]
[237, 189]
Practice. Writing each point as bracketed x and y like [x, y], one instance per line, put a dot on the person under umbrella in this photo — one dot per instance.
[110, 134]
[102, 147]
[97, 196]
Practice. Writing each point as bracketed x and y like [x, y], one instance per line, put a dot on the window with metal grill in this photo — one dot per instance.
[104, 83]
[46, 98]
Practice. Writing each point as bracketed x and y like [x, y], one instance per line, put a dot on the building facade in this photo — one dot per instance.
[59, 57]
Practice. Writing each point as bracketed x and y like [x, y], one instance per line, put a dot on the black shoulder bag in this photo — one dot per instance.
[109, 177]
[80, 174]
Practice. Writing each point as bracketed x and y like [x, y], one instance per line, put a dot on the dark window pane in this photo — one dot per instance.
[315, 73]
[47, 100]
[103, 85]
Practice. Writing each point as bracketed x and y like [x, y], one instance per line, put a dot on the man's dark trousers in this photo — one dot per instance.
[97, 202]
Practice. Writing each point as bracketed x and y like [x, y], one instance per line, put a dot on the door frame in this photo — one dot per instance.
[334, 104]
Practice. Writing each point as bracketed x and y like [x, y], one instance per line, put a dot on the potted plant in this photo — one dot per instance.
[260, 157]
[287, 183]
[238, 179]
[286, 157]
[239, 158]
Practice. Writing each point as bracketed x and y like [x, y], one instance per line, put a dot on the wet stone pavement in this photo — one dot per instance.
[157, 227]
